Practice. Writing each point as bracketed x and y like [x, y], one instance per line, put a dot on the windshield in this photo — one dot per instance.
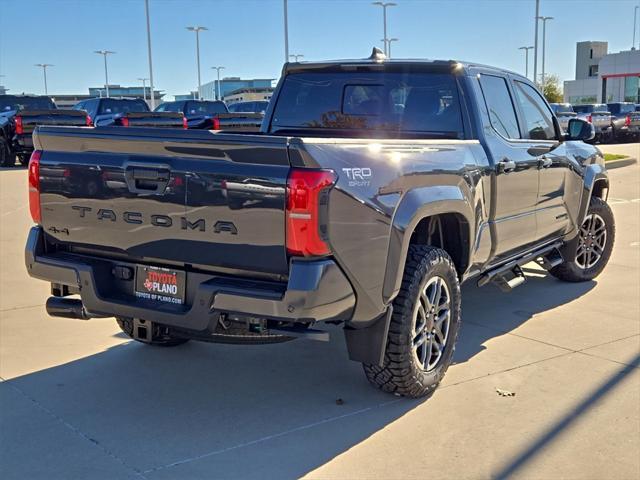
[394, 104]
[205, 108]
[122, 106]
[9, 103]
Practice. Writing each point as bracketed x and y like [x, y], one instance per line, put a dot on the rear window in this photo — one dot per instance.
[394, 104]
[25, 103]
[245, 107]
[205, 108]
[562, 108]
[621, 108]
[122, 106]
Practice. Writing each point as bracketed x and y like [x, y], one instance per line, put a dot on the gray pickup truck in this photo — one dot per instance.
[375, 188]
[599, 116]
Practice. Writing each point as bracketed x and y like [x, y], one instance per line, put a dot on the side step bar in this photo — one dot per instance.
[510, 275]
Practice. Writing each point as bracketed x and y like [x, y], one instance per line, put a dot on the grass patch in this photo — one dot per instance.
[613, 156]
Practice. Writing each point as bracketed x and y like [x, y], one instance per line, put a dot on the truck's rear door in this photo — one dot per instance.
[179, 197]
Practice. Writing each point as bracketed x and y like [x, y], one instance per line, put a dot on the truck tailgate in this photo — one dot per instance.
[32, 118]
[187, 197]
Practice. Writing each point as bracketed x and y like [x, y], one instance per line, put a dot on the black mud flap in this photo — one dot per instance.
[367, 345]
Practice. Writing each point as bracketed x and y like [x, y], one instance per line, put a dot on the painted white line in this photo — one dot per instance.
[13, 211]
[275, 435]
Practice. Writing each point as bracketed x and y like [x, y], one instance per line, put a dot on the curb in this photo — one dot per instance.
[622, 162]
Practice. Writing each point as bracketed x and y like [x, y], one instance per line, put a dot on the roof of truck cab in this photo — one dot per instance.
[459, 65]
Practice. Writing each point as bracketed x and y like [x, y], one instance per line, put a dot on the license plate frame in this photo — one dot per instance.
[160, 285]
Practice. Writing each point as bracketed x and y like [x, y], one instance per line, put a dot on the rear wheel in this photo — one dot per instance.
[424, 326]
[6, 157]
[593, 245]
[159, 334]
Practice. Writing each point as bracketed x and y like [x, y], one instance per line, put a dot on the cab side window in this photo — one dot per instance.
[502, 113]
[538, 119]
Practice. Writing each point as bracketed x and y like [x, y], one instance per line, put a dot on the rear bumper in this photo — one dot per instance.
[316, 291]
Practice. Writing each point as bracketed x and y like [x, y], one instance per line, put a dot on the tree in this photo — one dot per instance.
[551, 89]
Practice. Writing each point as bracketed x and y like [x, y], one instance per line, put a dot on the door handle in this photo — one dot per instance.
[145, 180]
[505, 165]
[545, 162]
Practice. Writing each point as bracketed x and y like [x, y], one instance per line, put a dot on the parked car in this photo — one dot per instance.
[128, 112]
[19, 115]
[624, 121]
[212, 115]
[597, 114]
[248, 107]
[373, 190]
[564, 112]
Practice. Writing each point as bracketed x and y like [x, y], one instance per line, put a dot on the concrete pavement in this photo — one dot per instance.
[77, 400]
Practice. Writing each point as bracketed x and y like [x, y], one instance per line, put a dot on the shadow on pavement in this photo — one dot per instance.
[155, 408]
[590, 401]
[502, 312]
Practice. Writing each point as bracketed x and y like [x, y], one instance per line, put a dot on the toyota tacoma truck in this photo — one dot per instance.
[213, 115]
[19, 115]
[374, 189]
[128, 112]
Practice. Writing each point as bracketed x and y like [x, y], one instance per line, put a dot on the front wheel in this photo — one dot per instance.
[593, 246]
[424, 326]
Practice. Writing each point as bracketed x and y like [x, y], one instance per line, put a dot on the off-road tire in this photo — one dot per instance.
[158, 338]
[401, 372]
[569, 270]
[6, 157]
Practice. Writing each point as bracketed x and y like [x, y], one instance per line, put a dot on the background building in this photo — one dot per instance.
[603, 77]
[248, 95]
[115, 91]
[229, 84]
[187, 96]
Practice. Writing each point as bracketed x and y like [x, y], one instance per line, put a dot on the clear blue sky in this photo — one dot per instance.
[246, 36]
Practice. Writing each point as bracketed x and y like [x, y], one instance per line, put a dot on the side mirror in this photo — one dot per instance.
[579, 129]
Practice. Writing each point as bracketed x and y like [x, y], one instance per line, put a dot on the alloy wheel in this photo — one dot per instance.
[431, 320]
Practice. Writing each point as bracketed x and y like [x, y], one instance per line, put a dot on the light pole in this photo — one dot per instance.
[44, 72]
[526, 59]
[296, 56]
[286, 32]
[635, 27]
[153, 97]
[104, 53]
[389, 41]
[535, 47]
[384, 20]
[219, 89]
[544, 42]
[197, 29]
[144, 88]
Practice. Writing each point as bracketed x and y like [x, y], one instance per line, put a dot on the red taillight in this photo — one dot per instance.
[124, 121]
[627, 121]
[184, 122]
[216, 124]
[19, 127]
[307, 198]
[88, 121]
[34, 186]
[589, 118]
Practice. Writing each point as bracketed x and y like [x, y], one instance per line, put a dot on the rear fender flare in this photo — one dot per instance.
[416, 205]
